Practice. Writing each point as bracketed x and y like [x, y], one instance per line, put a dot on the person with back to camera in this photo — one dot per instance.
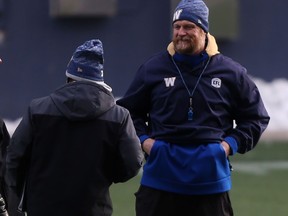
[184, 103]
[4, 141]
[73, 144]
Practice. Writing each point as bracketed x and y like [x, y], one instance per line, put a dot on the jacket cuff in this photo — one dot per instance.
[143, 138]
[232, 143]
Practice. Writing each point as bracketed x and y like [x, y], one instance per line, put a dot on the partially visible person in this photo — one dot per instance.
[184, 102]
[4, 141]
[73, 144]
[8, 201]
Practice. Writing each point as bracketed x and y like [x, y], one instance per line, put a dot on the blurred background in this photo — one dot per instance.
[37, 39]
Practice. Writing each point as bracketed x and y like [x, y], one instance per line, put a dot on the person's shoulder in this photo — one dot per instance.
[35, 103]
[117, 114]
[39, 99]
[229, 62]
[156, 57]
[121, 110]
[228, 59]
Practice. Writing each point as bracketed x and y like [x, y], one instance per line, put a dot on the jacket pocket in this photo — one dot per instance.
[190, 164]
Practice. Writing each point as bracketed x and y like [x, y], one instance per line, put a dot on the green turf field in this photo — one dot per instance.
[260, 184]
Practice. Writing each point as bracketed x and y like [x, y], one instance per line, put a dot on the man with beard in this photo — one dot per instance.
[184, 103]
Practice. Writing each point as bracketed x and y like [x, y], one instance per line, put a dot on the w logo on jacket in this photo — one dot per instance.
[169, 82]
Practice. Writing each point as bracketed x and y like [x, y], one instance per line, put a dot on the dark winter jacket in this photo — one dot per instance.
[225, 93]
[69, 148]
[4, 141]
[187, 157]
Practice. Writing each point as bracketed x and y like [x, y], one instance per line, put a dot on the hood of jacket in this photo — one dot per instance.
[82, 100]
[211, 49]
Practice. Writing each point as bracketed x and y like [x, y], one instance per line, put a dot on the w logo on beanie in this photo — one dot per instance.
[177, 14]
[194, 11]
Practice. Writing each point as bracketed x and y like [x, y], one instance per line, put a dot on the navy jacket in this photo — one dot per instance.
[187, 157]
[225, 95]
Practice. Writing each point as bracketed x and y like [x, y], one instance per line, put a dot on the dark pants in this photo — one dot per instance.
[152, 202]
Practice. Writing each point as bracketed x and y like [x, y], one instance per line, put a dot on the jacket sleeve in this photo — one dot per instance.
[251, 117]
[130, 155]
[137, 101]
[18, 155]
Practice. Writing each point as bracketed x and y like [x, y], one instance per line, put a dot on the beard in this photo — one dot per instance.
[184, 46]
[190, 44]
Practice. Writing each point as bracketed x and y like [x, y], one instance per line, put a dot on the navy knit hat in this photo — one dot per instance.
[87, 63]
[195, 11]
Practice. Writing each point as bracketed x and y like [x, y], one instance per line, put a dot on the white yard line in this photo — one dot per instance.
[260, 167]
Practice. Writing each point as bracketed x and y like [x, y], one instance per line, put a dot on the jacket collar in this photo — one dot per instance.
[211, 49]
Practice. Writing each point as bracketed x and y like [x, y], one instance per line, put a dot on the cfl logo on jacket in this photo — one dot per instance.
[169, 82]
[216, 82]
